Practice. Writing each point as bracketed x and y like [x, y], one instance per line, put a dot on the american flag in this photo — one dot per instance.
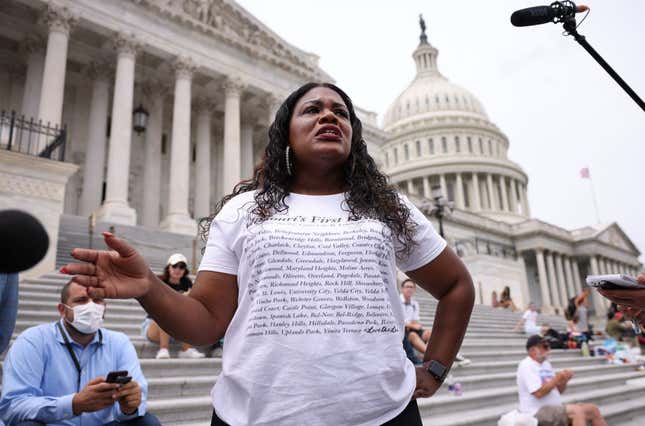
[584, 173]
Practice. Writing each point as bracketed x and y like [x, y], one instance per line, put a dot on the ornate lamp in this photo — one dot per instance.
[140, 119]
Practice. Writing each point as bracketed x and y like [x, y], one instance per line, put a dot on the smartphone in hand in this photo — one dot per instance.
[120, 377]
[614, 282]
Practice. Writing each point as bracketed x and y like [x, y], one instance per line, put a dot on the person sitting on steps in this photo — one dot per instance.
[417, 336]
[175, 275]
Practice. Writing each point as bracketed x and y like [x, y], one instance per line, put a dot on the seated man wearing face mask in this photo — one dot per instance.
[55, 374]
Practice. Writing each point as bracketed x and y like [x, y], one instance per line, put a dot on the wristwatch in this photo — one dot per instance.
[436, 370]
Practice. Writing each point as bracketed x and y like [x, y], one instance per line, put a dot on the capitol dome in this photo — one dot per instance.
[430, 93]
[439, 135]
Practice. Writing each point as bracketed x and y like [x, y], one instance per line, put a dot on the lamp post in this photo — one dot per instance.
[440, 207]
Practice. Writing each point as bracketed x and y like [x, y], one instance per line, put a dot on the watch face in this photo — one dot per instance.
[437, 370]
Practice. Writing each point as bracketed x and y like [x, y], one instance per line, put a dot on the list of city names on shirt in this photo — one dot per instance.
[319, 276]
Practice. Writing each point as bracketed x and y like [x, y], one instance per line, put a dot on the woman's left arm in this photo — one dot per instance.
[448, 280]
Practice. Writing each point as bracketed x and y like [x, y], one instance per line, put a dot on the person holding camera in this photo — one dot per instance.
[57, 374]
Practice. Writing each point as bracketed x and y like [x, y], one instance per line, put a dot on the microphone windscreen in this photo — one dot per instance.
[23, 241]
[532, 16]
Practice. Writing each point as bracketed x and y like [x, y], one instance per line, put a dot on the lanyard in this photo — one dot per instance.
[73, 355]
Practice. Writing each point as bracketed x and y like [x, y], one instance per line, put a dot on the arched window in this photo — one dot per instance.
[444, 144]
[396, 156]
[457, 144]
[406, 152]
[418, 143]
[470, 144]
[431, 146]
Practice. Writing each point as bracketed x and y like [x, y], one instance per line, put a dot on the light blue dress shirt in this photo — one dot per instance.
[40, 379]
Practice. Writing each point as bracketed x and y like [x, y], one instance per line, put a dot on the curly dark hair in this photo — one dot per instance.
[369, 195]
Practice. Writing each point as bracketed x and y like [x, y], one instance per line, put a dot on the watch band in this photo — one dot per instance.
[436, 369]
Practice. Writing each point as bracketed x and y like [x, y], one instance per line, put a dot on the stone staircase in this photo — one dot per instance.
[179, 389]
[153, 244]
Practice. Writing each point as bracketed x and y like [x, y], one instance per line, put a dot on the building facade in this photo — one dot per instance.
[210, 77]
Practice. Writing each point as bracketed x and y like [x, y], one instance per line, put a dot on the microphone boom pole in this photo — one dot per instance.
[570, 27]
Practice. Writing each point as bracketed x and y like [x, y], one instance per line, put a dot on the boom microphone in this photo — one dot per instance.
[23, 241]
[537, 15]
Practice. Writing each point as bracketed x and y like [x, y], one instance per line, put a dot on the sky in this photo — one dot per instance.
[560, 110]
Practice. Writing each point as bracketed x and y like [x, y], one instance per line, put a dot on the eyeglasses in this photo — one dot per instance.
[546, 346]
[179, 266]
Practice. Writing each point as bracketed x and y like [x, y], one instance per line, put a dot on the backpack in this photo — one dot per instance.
[570, 311]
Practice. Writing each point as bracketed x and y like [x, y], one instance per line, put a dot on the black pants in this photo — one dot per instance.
[408, 417]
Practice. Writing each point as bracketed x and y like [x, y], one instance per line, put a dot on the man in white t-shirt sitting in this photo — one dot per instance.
[416, 334]
[529, 321]
[539, 389]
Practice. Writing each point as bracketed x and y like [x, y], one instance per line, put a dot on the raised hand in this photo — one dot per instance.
[121, 273]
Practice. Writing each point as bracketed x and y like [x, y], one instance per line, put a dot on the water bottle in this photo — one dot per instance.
[451, 383]
[457, 388]
[585, 349]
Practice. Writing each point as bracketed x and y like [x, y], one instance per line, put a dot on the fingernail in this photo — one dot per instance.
[63, 270]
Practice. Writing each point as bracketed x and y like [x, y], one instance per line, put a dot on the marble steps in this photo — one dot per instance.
[585, 389]
[619, 403]
[513, 354]
[472, 382]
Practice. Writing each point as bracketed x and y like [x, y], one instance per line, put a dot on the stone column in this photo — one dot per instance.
[502, 187]
[513, 197]
[116, 208]
[273, 103]
[155, 93]
[246, 151]
[575, 274]
[94, 167]
[410, 187]
[178, 219]
[50, 107]
[427, 191]
[203, 179]
[544, 281]
[562, 285]
[525, 201]
[460, 204]
[33, 47]
[492, 203]
[597, 300]
[477, 204]
[573, 291]
[550, 266]
[444, 187]
[232, 90]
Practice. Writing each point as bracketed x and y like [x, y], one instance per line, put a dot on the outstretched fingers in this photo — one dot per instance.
[79, 269]
[85, 255]
[87, 281]
[120, 246]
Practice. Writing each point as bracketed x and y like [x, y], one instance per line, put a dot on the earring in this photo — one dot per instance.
[288, 160]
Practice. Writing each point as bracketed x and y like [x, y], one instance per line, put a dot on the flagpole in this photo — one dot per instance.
[593, 196]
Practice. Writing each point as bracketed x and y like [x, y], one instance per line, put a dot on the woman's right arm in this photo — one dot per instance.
[199, 318]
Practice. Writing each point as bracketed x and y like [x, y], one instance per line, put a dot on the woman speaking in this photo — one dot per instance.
[299, 277]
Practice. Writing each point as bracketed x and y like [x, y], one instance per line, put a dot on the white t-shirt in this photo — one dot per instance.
[531, 375]
[530, 321]
[316, 337]
[410, 310]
